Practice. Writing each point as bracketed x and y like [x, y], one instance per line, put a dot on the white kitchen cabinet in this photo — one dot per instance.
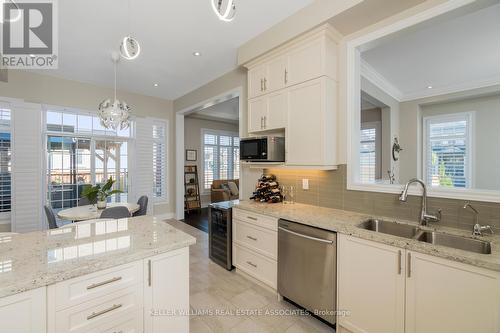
[24, 312]
[312, 60]
[371, 285]
[311, 123]
[166, 292]
[276, 74]
[255, 245]
[257, 110]
[446, 296]
[256, 78]
[388, 289]
[268, 112]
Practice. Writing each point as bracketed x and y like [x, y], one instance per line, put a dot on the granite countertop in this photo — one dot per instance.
[346, 222]
[36, 259]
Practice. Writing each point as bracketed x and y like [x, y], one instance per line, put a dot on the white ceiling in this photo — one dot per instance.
[227, 111]
[453, 54]
[169, 32]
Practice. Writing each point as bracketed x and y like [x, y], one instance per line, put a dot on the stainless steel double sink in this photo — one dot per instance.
[431, 237]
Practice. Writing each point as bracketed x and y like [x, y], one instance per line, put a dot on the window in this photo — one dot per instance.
[80, 151]
[221, 156]
[447, 150]
[159, 162]
[5, 163]
[369, 159]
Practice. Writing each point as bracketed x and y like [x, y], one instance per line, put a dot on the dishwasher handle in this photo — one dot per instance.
[327, 241]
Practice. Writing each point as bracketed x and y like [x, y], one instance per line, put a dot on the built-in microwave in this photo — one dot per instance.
[263, 149]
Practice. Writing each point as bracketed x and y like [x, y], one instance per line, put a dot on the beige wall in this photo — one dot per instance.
[192, 140]
[49, 90]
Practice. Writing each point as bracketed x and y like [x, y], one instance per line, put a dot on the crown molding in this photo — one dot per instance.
[369, 73]
[451, 89]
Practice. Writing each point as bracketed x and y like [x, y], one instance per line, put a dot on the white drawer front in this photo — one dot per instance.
[261, 240]
[101, 313]
[82, 289]
[256, 265]
[128, 325]
[264, 221]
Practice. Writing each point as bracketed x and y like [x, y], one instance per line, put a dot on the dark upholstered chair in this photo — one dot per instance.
[119, 212]
[143, 204]
[51, 217]
[84, 202]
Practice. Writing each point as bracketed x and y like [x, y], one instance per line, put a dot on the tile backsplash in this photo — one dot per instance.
[329, 189]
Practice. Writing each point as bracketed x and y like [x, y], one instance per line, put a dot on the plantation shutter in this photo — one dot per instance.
[143, 164]
[27, 181]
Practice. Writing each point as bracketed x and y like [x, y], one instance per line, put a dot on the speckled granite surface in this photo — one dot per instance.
[346, 222]
[37, 259]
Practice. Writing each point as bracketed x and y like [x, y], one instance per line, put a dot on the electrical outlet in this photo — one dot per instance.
[305, 184]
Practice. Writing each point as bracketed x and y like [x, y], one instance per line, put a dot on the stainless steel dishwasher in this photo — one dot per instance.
[307, 268]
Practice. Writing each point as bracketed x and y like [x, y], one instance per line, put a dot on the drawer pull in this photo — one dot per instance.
[95, 285]
[252, 238]
[252, 218]
[251, 264]
[100, 313]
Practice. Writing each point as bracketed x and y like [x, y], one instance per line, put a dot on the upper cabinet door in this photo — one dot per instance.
[306, 62]
[446, 296]
[277, 74]
[277, 110]
[371, 285]
[257, 111]
[256, 78]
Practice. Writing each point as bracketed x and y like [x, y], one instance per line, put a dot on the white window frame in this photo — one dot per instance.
[204, 131]
[470, 137]
[91, 136]
[163, 198]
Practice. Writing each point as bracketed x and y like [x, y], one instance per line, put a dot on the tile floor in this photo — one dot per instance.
[215, 290]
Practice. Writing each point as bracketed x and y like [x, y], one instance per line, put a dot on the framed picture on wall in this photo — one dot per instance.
[191, 155]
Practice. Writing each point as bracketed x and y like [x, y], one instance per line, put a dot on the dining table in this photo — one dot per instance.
[89, 212]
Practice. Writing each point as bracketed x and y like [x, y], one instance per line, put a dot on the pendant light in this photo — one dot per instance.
[114, 115]
[129, 47]
[224, 9]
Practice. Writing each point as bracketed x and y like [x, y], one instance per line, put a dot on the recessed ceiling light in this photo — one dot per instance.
[197, 54]
[429, 87]
[156, 84]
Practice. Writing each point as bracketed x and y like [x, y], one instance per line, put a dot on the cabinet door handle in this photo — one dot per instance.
[149, 273]
[252, 218]
[252, 238]
[261, 122]
[265, 122]
[100, 313]
[409, 264]
[261, 84]
[400, 265]
[252, 264]
[286, 76]
[265, 84]
[99, 284]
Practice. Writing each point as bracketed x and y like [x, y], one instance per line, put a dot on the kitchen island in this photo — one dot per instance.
[129, 275]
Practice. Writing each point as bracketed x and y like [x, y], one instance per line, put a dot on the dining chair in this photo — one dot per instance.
[143, 206]
[118, 212]
[51, 217]
[83, 202]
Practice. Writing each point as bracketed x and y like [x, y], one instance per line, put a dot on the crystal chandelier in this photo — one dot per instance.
[224, 9]
[116, 114]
